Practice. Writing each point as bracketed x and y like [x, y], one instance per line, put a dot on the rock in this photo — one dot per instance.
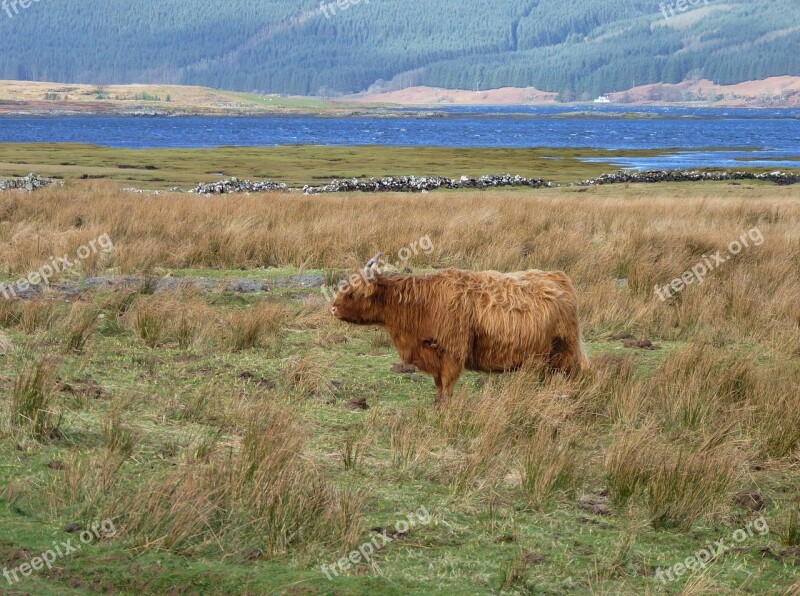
[29, 183]
[532, 558]
[429, 183]
[404, 369]
[750, 499]
[652, 176]
[234, 185]
[595, 504]
[643, 344]
[260, 381]
[424, 184]
[358, 403]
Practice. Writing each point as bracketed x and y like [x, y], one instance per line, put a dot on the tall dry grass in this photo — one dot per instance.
[6, 346]
[32, 408]
[599, 238]
[185, 319]
[264, 496]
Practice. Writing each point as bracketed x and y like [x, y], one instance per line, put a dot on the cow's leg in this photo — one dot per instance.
[567, 356]
[559, 356]
[447, 390]
[439, 390]
[451, 371]
[567, 353]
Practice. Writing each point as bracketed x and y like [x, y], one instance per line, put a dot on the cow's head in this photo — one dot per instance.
[361, 301]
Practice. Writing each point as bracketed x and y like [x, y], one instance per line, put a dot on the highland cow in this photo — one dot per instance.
[452, 320]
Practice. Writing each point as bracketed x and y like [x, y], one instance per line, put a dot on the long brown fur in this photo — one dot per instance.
[453, 320]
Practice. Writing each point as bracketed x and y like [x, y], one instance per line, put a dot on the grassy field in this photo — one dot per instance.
[295, 165]
[219, 427]
[42, 97]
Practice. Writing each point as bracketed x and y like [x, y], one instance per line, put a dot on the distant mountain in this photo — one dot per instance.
[576, 49]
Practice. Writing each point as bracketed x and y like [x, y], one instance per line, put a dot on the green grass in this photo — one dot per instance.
[295, 165]
[271, 101]
[471, 546]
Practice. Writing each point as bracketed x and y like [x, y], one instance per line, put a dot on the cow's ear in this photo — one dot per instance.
[381, 281]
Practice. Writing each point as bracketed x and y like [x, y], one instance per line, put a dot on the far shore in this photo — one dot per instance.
[27, 98]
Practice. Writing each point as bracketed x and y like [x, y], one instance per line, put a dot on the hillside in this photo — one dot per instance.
[773, 92]
[302, 47]
[36, 98]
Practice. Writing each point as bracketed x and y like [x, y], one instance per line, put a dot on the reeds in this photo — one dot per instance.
[32, 401]
[263, 495]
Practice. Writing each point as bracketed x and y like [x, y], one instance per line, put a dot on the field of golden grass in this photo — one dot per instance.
[224, 431]
[41, 97]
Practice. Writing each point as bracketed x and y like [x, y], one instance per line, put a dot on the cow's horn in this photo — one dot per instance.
[372, 265]
[373, 262]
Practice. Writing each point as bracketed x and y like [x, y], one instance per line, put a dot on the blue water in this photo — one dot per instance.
[756, 137]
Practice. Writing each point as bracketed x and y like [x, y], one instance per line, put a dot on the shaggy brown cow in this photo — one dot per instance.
[445, 322]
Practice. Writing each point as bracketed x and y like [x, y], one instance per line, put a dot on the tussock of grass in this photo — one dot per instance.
[250, 327]
[79, 325]
[409, 445]
[32, 403]
[689, 486]
[114, 308]
[36, 315]
[676, 485]
[314, 313]
[790, 533]
[351, 452]
[6, 345]
[261, 495]
[309, 375]
[118, 437]
[149, 321]
[10, 312]
[548, 463]
[617, 561]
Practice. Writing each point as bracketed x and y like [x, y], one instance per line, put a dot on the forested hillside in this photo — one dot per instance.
[291, 46]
